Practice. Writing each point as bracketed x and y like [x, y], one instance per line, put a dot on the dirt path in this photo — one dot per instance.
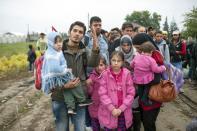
[23, 108]
[172, 117]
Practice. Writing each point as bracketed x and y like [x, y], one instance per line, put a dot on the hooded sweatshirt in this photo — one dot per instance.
[54, 71]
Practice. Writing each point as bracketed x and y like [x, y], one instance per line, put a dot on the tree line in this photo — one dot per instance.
[146, 19]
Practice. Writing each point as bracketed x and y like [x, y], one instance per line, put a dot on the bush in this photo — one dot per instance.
[14, 64]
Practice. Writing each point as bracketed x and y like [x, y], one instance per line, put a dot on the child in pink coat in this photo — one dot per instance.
[116, 95]
[93, 86]
[145, 66]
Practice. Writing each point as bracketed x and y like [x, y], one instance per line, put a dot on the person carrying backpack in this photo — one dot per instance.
[163, 47]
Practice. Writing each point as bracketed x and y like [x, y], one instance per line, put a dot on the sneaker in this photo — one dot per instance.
[71, 112]
[86, 102]
[181, 91]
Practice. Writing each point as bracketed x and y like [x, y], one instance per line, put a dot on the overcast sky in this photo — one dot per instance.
[40, 15]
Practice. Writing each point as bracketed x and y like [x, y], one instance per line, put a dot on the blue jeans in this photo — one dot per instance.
[177, 65]
[31, 66]
[62, 117]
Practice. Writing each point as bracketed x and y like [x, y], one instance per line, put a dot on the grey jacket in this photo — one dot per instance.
[164, 49]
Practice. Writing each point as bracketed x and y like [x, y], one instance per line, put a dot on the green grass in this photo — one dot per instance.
[14, 49]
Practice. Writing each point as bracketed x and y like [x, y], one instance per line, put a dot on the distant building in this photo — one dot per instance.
[11, 37]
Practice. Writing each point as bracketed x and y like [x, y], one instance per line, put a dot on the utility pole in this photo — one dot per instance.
[28, 35]
[88, 20]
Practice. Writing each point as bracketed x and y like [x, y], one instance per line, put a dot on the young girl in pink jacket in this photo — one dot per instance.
[93, 84]
[116, 95]
[145, 66]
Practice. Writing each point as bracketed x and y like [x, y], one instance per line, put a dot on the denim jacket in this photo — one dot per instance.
[103, 45]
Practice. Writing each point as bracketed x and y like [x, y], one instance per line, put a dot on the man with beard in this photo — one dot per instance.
[96, 23]
[77, 58]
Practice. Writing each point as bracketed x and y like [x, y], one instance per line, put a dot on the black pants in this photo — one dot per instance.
[149, 119]
[136, 121]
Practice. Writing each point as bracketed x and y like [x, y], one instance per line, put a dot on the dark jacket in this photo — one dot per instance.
[179, 46]
[31, 55]
[77, 62]
[188, 55]
[113, 46]
[194, 55]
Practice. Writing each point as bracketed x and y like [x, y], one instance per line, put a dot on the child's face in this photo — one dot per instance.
[116, 63]
[158, 37]
[58, 46]
[101, 67]
[126, 47]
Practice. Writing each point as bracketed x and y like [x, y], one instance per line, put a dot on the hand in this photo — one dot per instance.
[88, 82]
[119, 112]
[165, 68]
[71, 84]
[95, 38]
[177, 52]
[116, 112]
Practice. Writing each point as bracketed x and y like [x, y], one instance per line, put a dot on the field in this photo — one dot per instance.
[14, 49]
[13, 59]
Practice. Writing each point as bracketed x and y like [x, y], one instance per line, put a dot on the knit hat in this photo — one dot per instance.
[126, 39]
[141, 38]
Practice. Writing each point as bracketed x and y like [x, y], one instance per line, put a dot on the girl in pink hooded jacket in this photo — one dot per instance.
[116, 95]
[93, 84]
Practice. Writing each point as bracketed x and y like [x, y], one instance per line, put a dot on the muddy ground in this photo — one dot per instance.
[23, 108]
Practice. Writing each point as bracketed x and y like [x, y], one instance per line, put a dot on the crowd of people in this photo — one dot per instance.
[100, 80]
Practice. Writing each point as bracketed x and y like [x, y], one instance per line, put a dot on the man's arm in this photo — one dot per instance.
[93, 54]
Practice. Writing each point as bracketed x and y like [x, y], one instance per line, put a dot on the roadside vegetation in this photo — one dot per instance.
[13, 58]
